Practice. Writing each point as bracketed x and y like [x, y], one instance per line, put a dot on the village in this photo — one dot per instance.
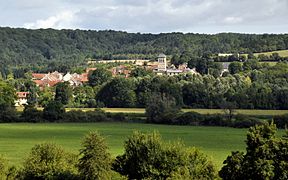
[159, 67]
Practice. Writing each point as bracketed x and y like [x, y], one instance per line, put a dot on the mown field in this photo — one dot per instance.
[282, 53]
[16, 140]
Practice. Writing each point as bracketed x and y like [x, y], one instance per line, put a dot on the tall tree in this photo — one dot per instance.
[99, 76]
[118, 93]
[95, 160]
[63, 92]
[265, 158]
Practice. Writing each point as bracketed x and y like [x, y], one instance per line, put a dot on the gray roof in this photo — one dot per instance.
[161, 55]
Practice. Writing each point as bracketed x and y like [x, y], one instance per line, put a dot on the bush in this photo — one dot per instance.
[95, 161]
[215, 120]
[147, 157]
[161, 109]
[281, 121]
[189, 118]
[49, 161]
[53, 111]
[3, 168]
[242, 121]
[31, 114]
[8, 114]
[97, 115]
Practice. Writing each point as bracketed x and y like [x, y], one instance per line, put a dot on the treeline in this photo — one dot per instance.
[147, 156]
[24, 46]
[249, 86]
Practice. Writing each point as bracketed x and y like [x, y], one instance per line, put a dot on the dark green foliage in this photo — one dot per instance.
[7, 94]
[31, 114]
[233, 169]
[53, 111]
[49, 161]
[118, 93]
[281, 121]
[84, 96]
[189, 118]
[7, 98]
[140, 72]
[8, 114]
[57, 47]
[95, 160]
[161, 109]
[265, 158]
[235, 67]
[88, 116]
[63, 92]
[99, 76]
[146, 156]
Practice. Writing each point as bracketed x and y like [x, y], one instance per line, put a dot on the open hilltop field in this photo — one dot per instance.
[16, 140]
[282, 53]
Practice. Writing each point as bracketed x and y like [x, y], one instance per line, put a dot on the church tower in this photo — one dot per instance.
[162, 63]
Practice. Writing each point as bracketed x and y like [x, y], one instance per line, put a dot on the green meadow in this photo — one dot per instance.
[16, 139]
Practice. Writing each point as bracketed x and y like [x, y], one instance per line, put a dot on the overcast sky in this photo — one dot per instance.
[149, 16]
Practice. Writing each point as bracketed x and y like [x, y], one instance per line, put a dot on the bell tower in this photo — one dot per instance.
[162, 62]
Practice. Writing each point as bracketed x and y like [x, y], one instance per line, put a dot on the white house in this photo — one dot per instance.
[21, 98]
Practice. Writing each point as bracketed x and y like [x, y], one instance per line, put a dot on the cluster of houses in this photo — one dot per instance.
[43, 80]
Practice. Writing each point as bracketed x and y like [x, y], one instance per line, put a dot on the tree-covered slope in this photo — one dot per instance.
[21, 46]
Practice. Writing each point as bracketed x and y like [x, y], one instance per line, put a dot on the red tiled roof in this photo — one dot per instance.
[38, 75]
[39, 82]
[84, 77]
[22, 94]
[52, 83]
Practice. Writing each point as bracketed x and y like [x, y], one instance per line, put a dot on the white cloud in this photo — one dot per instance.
[233, 20]
[148, 15]
[62, 20]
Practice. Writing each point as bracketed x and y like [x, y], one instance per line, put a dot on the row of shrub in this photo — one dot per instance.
[145, 156]
[237, 121]
[56, 113]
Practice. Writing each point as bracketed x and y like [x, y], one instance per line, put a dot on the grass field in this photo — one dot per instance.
[16, 140]
[282, 53]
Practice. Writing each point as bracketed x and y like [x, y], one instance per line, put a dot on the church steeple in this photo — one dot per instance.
[162, 62]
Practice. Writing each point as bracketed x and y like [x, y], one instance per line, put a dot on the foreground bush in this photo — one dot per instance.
[3, 168]
[147, 157]
[49, 161]
[266, 156]
[95, 161]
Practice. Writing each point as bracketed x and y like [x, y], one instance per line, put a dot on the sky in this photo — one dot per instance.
[149, 16]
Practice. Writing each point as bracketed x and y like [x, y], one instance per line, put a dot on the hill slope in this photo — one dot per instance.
[23, 46]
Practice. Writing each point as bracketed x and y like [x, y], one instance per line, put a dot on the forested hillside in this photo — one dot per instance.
[23, 46]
